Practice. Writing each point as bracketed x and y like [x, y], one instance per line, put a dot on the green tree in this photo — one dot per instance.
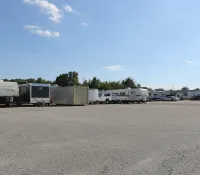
[19, 81]
[67, 79]
[129, 83]
[159, 89]
[31, 80]
[85, 83]
[73, 79]
[62, 80]
[185, 88]
[41, 80]
[105, 85]
[95, 83]
[138, 85]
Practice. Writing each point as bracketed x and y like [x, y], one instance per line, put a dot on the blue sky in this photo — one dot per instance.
[157, 42]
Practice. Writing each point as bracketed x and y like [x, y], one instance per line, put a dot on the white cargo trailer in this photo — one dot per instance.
[34, 93]
[9, 92]
[93, 96]
[73, 95]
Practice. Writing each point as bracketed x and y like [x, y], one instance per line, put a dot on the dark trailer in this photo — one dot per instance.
[32, 93]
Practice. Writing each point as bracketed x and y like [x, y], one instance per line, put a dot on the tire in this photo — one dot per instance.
[107, 101]
[19, 104]
[9, 105]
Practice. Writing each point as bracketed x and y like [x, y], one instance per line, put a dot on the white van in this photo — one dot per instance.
[109, 97]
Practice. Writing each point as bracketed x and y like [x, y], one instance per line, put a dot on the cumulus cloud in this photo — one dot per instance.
[114, 67]
[54, 13]
[84, 24]
[69, 9]
[41, 32]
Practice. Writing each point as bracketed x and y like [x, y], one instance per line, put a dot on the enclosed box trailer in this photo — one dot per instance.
[34, 93]
[73, 95]
[9, 92]
[93, 96]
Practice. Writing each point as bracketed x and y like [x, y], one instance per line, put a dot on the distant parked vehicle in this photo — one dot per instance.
[171, 98]
[105, 98]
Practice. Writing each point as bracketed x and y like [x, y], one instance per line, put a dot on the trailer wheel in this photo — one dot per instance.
[107, 101]
[19, 104]
[9, 105]
[39, 104]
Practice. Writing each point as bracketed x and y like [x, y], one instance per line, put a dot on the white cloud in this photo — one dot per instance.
[69, 9]
[54, 13]
[114, 67]
[193, 63]
[39, 31]
[188, 62]
[31, 27]
[84, 24]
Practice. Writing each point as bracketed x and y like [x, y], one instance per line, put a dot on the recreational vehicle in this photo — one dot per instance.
[131, 95]
[9, 93]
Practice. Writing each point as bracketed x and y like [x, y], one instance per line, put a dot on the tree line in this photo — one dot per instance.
[72, 79]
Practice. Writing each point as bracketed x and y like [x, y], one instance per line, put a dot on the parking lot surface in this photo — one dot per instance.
[154, 139]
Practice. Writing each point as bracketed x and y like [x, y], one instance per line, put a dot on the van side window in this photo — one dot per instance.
[106, 95]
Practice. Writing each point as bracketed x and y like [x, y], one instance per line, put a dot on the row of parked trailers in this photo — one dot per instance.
[136, 95]
[42, 94]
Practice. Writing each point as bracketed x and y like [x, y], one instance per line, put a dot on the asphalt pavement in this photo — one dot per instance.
[135, 139]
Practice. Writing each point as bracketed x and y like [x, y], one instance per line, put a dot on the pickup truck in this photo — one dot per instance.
[110, 98]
